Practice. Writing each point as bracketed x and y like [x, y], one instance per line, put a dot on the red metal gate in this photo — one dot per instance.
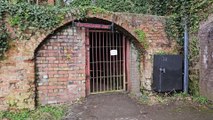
[106, 61]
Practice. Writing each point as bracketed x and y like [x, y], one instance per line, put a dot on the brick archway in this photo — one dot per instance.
[60, 61]
[17, 73]
[127, 25]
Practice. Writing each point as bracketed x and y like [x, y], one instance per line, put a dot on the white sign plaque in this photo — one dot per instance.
[113, 52]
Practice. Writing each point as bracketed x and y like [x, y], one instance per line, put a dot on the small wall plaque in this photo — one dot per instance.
[113, 52]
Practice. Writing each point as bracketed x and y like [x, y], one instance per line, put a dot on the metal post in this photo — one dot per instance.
[186, 69]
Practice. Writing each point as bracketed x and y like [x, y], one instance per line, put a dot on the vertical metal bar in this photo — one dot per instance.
[107, 60]
[112, 45]
[96, 60]
[186, 42]
[186, 69]
[117, 60]
[100, 59]
[87, 62]
[110, 63]
[115, 63]
[103, 47]
[124, 64]
[128, 65]
[93, 67]
[120, 63]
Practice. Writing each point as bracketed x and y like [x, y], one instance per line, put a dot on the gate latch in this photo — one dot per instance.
[162, 70]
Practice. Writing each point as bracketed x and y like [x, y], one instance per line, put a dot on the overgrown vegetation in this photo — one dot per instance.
[142, 38]
[133, 6]
[196, 10]
[41, 113]
[4, 43]
[193, 11]
[27, 18]
[165, 98]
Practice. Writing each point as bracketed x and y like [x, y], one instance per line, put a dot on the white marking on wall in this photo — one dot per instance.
[205, 57]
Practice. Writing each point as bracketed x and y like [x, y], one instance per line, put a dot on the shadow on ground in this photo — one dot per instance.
[119, 106]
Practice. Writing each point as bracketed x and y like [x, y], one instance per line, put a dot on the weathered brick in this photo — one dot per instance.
[55, 50]
[58, 67]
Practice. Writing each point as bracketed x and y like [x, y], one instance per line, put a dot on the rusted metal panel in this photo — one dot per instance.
[90, 25]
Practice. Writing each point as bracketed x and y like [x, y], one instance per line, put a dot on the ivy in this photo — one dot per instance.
[142, 37]
[25, 15]
[4, 44]
[26, 19]
[132, 6]
[173, 29]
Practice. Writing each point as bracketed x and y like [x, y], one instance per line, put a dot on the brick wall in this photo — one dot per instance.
[17, 71]
[60, 66]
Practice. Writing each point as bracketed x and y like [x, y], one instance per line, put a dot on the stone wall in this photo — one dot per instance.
[206, 58]
[17, 71]
[135, 73]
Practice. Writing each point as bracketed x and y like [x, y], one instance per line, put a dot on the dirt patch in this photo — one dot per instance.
[119, 106]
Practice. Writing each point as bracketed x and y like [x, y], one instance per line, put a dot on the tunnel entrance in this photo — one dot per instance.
[107, 61]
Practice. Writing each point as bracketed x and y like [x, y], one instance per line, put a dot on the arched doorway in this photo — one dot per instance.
[84, 57]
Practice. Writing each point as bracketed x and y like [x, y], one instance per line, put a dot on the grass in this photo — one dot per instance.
[200, 99]
[41, 113]
[181, 95]
[165, 98]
